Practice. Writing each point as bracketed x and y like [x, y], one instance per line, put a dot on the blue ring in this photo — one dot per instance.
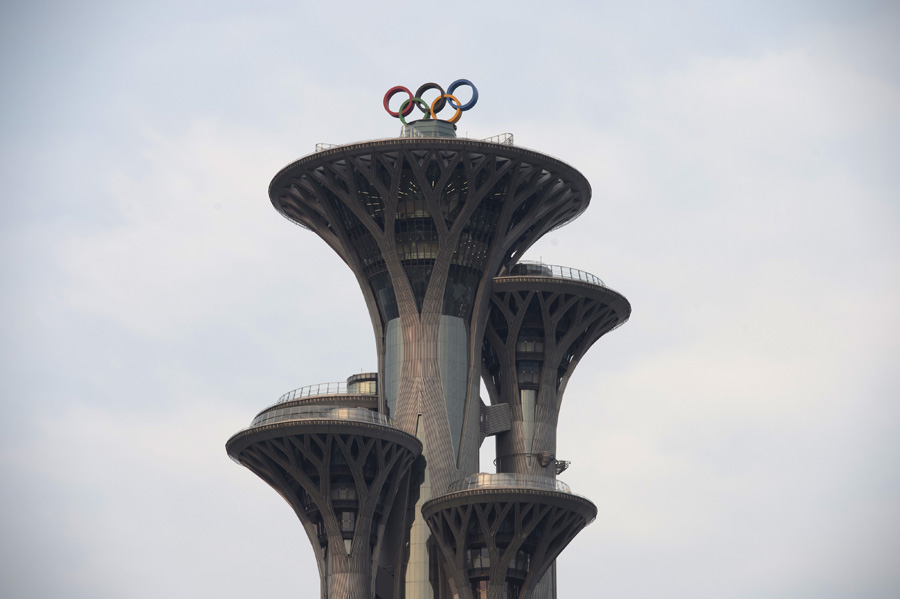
[468, 104]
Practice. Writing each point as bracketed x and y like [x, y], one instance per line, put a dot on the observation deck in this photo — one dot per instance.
[543, 318]
[292, 187]
[340, 468]
[564, 309]
[512, 527]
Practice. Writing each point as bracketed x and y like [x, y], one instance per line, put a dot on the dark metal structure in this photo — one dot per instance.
[339, 468]
[434, 227]
[499, 533]
[542, 321]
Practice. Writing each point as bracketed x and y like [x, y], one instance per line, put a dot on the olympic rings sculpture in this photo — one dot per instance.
[416, 101]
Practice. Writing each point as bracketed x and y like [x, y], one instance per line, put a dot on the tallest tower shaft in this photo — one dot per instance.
[425, 224]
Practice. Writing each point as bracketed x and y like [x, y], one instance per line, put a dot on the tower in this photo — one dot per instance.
[433, 227]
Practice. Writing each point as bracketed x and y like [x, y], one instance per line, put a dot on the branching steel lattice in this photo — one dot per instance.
[383, 471]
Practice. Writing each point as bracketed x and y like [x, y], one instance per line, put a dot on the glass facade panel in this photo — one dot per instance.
[393, 360]
[383, 290]
[532, 346]
[363, 387]
[505, 480]
[528, 372]
[520, 564]
[418, 579]
[320, 413]
[348, 521]
[528, 397]
[477, 559]
[344, 493]
[511, 590]
[453, 356]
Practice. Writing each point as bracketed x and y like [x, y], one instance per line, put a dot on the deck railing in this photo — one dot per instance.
[527, 268]
[504, 139]
[504, 480]
[320, 413]
[325, 389]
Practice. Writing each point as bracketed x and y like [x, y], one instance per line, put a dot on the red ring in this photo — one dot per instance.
[390, 94]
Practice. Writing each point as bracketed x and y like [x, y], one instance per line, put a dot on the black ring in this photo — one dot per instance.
[424, 88]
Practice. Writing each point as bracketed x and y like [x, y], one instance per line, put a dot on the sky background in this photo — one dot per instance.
[740, 436]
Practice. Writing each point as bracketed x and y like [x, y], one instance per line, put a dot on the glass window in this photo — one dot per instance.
[530, 345]
[348, 521]
[529, 372]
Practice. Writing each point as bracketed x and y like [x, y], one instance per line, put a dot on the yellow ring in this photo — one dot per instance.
[456, 116]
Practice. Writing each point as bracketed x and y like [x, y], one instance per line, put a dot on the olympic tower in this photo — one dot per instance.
[383, 471]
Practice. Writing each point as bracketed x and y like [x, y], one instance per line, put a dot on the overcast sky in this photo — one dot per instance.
[739, 435]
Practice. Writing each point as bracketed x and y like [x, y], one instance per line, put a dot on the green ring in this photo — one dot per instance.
[422, 104]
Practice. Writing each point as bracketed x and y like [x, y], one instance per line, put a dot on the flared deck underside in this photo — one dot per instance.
[538, 330]
[341, 479]
[500, 542]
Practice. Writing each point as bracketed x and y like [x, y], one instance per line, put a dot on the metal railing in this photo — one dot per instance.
[527, 268]
[504, 139]
[321, 389]
[484, 480]
[320, 413]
